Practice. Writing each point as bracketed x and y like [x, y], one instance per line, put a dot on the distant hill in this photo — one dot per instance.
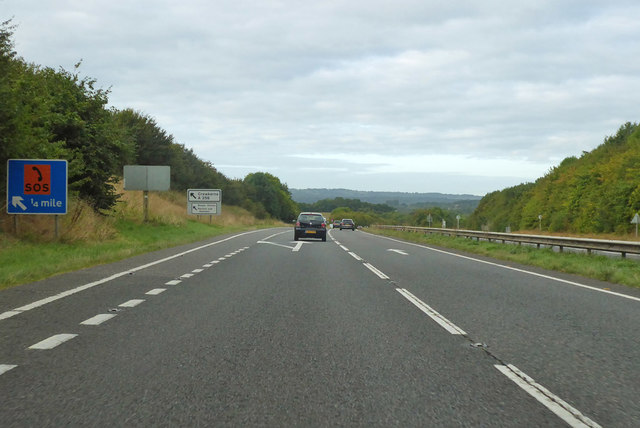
[402, 201]
[598, 192]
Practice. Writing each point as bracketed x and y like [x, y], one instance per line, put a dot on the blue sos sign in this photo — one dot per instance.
[36, 186]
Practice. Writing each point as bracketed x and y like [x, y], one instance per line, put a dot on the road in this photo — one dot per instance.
[255, 329]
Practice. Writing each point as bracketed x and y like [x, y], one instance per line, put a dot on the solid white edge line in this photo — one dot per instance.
[67, 293]
[559, 407]
[9, 314]
[131, 303]
[98, 319]
[6, 367]
[540, 275]
[432, 313]
[355, 256]
[376, 271]
[52, 342]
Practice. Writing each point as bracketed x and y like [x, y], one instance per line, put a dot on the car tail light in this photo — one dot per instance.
[324, 225]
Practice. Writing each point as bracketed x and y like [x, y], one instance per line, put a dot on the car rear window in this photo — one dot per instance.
[310, 217]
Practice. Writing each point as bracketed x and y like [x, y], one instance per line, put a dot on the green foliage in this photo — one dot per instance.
[327, 205]
[596, 193]
[56, 114]
[272, 194]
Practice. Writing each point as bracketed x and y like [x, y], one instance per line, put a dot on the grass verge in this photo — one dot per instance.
[23, 261]
[615, 270]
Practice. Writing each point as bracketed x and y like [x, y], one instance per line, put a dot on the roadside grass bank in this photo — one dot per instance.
[615, 270]
[27, 261]
[88, 239]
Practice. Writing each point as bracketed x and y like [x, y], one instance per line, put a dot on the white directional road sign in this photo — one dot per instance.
[203, 208]
[204, 195]
[204, 201]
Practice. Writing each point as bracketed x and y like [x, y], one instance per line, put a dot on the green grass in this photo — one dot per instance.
[611, 269]
[23, 261]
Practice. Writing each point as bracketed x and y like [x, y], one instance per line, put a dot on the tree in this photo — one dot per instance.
[272, 194]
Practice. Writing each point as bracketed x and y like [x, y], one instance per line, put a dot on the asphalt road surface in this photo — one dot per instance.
[255, 329]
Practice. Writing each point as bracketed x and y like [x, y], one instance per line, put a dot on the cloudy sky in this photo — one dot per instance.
[458, 96]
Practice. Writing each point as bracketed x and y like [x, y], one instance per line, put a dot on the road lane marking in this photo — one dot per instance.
[6, 367]
[540, 275]
[131, 303]
[186, 275]
[156, 291]
[376, 271]
[561, 408]
[393, 250]
[355, 256]
[9, 314]
[208, 265]
[98, 319]
[344, 248]
[72, 291]
[173, 282]
[271, 236]
[52, 342]
[280, 245]
[442, 321]
[197, 270]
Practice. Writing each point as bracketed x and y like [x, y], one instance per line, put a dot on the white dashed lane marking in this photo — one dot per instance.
[6, 367]
[98, 319]
[173, 282]
[155, 291]
[375, 270]
[561, 408]
[53, 341]
[432, 313]
[131, 303]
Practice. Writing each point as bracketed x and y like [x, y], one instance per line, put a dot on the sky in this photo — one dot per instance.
[462, 97]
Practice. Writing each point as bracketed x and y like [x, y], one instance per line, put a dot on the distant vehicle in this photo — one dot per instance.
[310, 225]
[336, 224]
[347, 223]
